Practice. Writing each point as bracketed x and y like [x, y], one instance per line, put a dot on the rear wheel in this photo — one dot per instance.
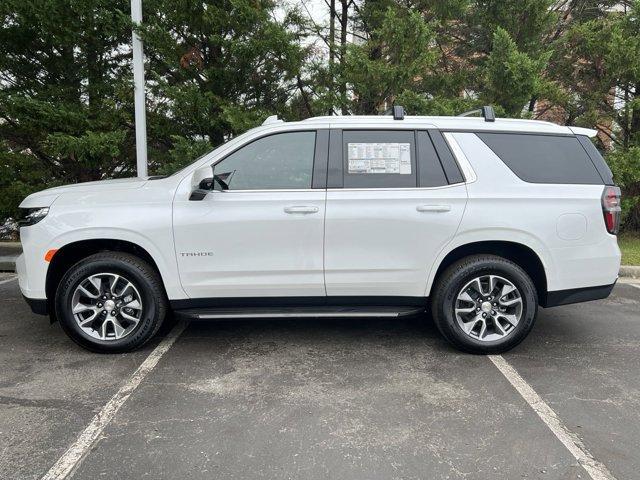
[111, 302]
[484, 304]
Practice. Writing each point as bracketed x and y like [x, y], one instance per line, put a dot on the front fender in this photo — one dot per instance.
[163, 257]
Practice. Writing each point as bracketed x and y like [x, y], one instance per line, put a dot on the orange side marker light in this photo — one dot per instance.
[49, 255]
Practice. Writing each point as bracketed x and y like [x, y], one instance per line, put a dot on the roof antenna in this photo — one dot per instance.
[487, 112]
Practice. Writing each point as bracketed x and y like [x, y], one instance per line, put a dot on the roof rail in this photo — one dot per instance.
[487, 112]
[397, 111]
[271, 120]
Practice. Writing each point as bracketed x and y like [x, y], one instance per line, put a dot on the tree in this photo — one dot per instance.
[512, 78]
[391, 61]
[217, 68]
[605, 74]
[65, 112]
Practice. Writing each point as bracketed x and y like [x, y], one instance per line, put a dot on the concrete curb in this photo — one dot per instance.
[9, 252]
[630, 271]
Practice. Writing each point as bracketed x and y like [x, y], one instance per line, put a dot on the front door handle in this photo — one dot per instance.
[434, 208]
[303, 209]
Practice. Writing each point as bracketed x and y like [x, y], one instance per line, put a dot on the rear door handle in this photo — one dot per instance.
[303, 209]
[434, 208]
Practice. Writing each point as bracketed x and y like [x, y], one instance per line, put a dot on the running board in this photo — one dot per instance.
[298, 312]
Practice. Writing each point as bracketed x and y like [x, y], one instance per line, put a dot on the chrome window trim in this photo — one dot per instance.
[467, 170]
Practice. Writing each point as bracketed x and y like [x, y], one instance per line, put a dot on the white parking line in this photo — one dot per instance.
[595, 469]
[8, 280]
[637, 285]
[76, 452]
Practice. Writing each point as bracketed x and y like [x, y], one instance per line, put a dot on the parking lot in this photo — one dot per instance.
[363, 399]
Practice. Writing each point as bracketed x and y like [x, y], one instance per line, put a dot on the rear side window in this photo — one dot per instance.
[379, 159]
[544, 158]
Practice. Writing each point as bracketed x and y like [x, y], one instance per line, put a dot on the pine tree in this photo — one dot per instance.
[65, 111]
[216, 68]
[605, 58]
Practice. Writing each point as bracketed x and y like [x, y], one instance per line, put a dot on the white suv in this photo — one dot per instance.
[479, 220]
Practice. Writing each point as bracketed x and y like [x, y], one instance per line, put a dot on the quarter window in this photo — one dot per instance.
[280, 161]
[544, 158]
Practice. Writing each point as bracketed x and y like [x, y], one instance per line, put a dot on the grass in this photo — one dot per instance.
[630, 246]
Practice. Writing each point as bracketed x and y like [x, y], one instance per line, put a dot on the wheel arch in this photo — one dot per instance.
[71, 253]
[521, 254]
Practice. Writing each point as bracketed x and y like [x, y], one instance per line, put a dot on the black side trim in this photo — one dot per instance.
[297, 302]
[448, 161]
[39, 306]
[576, 295]
[334, 169]
[321, 156]
[429, 166]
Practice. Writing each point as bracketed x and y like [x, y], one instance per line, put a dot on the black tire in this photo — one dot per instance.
[138, 272]
[451, 282]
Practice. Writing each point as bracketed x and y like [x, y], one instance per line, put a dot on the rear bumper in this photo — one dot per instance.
[576, 295]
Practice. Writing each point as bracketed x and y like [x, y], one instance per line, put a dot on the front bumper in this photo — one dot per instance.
[576, 295]
[39, 306]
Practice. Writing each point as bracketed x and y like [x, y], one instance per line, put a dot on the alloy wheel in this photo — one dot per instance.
[488, 308]
[107, 306]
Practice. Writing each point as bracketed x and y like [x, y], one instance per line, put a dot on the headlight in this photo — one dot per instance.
[31, 216]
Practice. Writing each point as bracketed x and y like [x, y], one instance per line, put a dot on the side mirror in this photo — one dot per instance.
[201, 183]
[198, 194]
[206, 185]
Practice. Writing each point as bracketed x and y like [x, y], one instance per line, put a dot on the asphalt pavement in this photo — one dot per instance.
[325, 399]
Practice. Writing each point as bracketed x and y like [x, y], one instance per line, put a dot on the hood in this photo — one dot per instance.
[46, 197]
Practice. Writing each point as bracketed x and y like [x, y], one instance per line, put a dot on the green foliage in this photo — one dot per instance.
[392, 61]
[62, 112]
[630, 247]
[183, 152]
[214, 69]
[217, 68]
[512, 77]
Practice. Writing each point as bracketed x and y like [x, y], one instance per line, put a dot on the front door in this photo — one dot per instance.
[263, 236]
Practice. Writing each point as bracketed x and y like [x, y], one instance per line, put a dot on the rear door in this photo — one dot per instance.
[392, 205]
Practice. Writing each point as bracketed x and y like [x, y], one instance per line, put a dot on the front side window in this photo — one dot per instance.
[280, 161]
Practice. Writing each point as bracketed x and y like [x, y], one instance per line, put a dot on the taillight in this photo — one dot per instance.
[611, 209]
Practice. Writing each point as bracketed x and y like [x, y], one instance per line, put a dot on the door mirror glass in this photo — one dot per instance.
[206, 184]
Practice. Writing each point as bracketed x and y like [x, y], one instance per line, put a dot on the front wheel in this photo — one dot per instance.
[484, 304]
[111, 302]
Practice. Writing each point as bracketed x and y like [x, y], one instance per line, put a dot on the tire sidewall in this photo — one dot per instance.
[445, 310]
[96, 264]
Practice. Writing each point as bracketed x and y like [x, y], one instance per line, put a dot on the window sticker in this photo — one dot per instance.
[371, 158]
